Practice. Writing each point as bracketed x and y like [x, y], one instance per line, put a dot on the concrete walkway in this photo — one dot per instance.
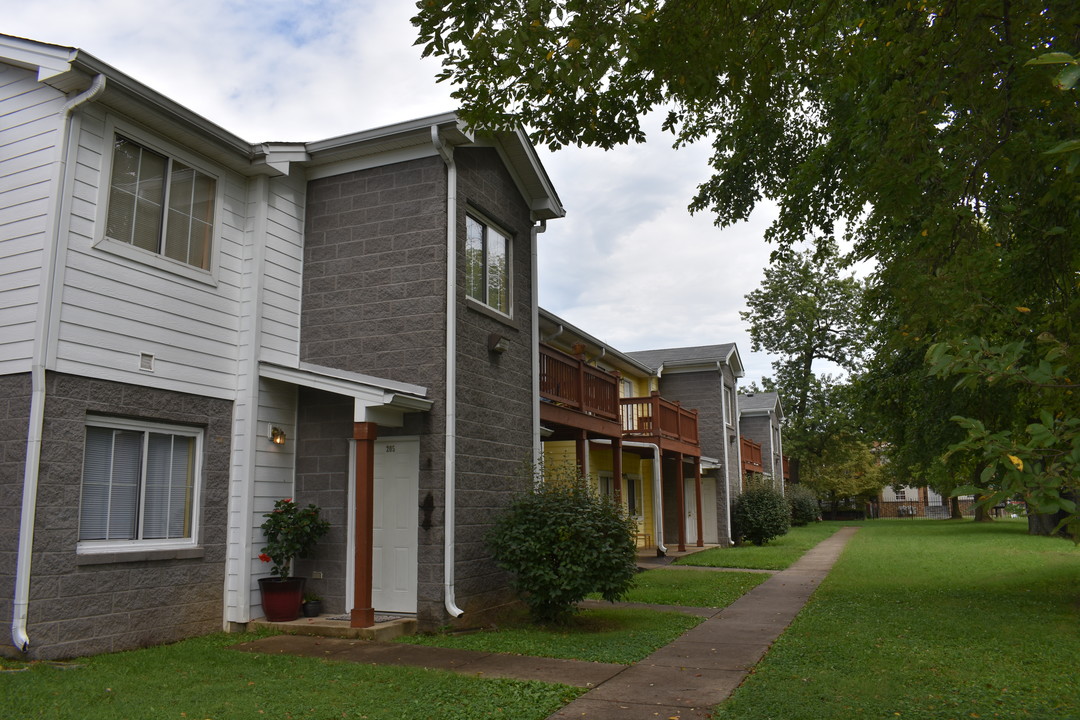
[682, 680]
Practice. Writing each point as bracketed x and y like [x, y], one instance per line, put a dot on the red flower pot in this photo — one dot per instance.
[281, 599]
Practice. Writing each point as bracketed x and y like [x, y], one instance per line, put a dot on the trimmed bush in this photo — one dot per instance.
[804, 505]
[561, 542]
[760, 514]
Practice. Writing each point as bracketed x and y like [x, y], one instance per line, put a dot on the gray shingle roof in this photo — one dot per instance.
[685, 355]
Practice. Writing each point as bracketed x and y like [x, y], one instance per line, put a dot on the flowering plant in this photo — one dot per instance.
[290, 530]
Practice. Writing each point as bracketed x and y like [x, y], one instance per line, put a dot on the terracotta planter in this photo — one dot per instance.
[281, 598]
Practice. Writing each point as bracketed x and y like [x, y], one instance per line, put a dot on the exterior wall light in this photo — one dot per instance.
[497, 343]
[276, 435]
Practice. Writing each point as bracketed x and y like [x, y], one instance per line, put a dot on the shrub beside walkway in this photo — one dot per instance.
[684, 679]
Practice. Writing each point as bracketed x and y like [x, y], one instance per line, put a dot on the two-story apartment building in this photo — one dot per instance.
[705, 377]
[760, 419]
[193, 326]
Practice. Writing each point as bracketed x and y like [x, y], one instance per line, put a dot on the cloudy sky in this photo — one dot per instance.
[628, 264]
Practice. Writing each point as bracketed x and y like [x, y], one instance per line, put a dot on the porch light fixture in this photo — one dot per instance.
[276, 435]
[497, 343]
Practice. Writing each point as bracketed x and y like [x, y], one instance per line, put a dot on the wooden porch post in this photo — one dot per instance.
[579, 450]
[616, 468]
[697, 492]
[680, 494]
[363, 614]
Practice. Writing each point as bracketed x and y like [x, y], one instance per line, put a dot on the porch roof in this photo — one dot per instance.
[367, 390]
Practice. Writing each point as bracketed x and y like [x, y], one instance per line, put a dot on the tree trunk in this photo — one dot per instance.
[1044, 523]
[954, 505]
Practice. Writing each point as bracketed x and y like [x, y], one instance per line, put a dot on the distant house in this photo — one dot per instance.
[761, 415]
[193, 326]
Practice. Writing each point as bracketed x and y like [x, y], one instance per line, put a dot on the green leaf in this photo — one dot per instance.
[1053, 58]
[1062, 147]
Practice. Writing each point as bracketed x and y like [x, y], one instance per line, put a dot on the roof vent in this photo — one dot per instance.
[146, 362]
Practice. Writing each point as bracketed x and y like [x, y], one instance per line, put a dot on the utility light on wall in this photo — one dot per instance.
[276, 435]
[497, 344]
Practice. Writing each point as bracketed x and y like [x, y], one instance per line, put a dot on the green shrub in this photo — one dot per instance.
[804, 505]
[760, 514]
[561, 542]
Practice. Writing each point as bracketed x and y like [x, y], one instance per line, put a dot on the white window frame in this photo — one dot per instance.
[115, 126]
[89, 547]
[488, 225]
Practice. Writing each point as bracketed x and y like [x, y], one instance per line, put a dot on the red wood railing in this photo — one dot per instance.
[751, 455]
[655, 416]
[787, 471]
[569, 381]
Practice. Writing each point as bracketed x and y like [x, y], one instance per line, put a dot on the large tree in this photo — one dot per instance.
[917, 129]
[806, 311]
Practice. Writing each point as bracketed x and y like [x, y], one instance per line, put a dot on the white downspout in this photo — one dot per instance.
[538, 448]
[21, 601]
[450, 501]
[658, 498]
[727, 466]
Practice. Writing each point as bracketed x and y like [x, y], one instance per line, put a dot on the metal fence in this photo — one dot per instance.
[938, 510]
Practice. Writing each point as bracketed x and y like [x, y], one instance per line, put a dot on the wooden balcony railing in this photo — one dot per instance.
[569, 381]
[655, 416]
[751, 455]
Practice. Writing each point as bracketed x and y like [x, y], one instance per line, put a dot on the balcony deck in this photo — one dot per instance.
[577, 395]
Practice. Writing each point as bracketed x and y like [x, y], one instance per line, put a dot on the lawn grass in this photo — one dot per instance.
[694, 588]
[930, 619]
[615, 635]
[202, 679]
[777, 554]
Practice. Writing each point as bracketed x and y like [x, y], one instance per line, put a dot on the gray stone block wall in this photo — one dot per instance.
[704, 391]
[324, 427]
[374, 302]
[14, 421]
[757, 428]
[494, 390]
[82, 605]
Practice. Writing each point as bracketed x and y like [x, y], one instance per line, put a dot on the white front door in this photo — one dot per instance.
[393, 582]
[690, 494]
[393, 572]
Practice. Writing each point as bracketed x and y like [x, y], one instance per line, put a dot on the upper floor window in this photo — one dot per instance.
[487, 265]
[161, 204]
[140, 484]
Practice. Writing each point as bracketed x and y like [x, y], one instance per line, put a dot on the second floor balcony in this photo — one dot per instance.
[578, 395]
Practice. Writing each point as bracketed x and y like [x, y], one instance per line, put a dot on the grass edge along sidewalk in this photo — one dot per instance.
[930, 619]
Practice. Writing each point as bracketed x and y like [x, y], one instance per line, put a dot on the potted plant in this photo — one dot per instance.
[290, 531]
[312, 606]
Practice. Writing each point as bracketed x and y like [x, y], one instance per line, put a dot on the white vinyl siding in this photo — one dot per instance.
[28, 140]
[283, 271]
[140, 485]
[114, 306]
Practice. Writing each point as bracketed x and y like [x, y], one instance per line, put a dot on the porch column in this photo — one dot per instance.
[580, 450]
[363, 614]
[697, 493]
[616, 468]
[680, 499]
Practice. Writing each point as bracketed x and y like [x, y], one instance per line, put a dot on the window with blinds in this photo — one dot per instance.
[160, 204]
[140, 483]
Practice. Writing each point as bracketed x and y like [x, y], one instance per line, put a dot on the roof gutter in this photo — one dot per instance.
[450, 425]
[21, 601]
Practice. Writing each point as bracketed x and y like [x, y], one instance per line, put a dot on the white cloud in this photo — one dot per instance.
[628, 263]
